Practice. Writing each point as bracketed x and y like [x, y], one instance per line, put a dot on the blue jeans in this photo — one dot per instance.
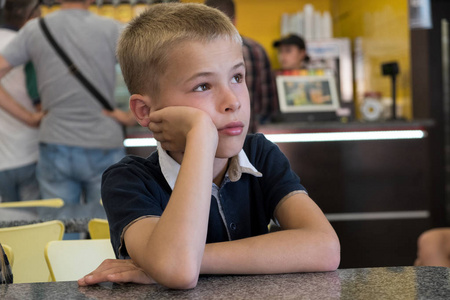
[73, 173]
[19, 184]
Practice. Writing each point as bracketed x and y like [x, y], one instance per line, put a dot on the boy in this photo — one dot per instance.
[183, 65]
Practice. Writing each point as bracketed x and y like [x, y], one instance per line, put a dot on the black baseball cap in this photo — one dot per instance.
[291, 39]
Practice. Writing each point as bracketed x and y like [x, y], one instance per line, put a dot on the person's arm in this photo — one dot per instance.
[13, 107]
[433, 248]
[125, 118]
[306, 243]
[170, 249]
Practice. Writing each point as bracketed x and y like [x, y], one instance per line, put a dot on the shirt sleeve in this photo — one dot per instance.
[278, 178]
[129, 192]
[16, 52]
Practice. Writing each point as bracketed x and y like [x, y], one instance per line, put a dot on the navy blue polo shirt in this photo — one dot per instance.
[241, 207]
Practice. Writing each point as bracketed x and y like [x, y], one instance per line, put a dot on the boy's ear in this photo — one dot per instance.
[140, 106]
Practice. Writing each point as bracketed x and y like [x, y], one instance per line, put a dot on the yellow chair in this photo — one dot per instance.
[55, 202]
[9, 253]
[98, 229]
[28, 242]
[70, 260]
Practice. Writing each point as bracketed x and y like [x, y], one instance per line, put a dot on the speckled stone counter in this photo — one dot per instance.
[74, 217]
[373, 283]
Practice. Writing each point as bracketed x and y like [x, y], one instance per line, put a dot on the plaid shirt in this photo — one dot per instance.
[260, 83]
[5, 275]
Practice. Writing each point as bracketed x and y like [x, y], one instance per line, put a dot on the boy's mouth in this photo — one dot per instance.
[232, 128]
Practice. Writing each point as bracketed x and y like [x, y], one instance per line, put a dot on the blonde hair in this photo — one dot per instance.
[146, 43]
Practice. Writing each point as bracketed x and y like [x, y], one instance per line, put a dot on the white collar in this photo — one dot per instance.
[239, 164]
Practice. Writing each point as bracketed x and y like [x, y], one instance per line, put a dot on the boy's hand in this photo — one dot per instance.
[173, 125]
[118, 271]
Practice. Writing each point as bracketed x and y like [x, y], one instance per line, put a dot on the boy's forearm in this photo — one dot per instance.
[177, 242]
[296, 250]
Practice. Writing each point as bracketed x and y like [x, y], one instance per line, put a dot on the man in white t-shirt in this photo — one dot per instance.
[18, 142]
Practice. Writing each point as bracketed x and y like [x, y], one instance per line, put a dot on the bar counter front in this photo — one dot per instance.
[370, 283]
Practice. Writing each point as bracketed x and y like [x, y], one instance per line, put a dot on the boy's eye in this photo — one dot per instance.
[238, 78]
[202, 87]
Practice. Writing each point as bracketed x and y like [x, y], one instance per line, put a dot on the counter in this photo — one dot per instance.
[74, 217]
[370, 283]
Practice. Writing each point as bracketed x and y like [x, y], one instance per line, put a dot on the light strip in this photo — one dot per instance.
[139, 142]
[313, 137]
[386, 215]
[346, 136]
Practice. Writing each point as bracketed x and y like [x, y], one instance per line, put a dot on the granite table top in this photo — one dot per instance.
[75, 217]
[367, 283]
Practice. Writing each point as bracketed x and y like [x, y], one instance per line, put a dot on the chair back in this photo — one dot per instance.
[28, 243]
[54, 202]
[70, 260]
[98, 229]
[9, 253]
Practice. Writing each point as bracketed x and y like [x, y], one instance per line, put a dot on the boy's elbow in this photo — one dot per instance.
[332, 255]
[333, 262]
[176, 278]
[180, 281]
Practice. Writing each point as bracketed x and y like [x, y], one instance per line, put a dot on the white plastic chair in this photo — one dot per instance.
[70, 260]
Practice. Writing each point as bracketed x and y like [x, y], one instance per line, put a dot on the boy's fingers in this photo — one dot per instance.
[135, 276]
[93, 279]
[117, 275]
[159, 137]
[81, 282]
[108, 266]
[154, 127]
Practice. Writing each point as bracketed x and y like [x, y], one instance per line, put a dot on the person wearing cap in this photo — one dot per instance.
[292, 52]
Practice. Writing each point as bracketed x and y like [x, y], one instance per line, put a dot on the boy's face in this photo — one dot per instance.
[290, 57]
[211, 77]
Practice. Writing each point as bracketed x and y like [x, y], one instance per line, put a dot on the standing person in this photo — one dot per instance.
[18, 142]
[201, 203]
[292, 52]
[258, 72]
[78, 141]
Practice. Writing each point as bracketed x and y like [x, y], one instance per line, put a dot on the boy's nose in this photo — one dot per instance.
[230, 101]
